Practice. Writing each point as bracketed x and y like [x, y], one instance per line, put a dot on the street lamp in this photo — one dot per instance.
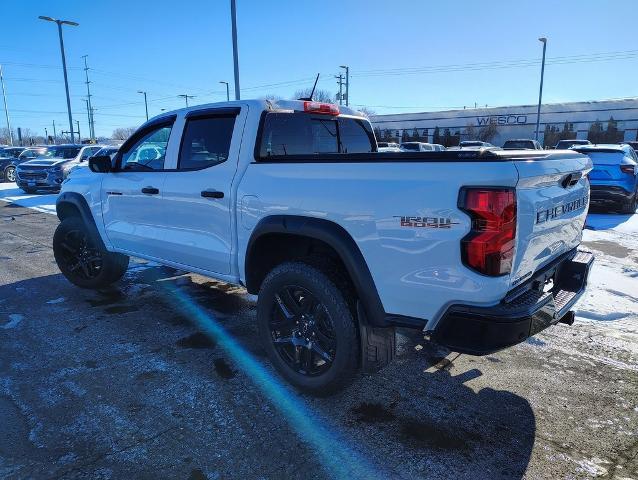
[227, 90]
[145, 102]
[66, 82]
[233, 15]
[347, 83]
[543, 40]
[6, 110]
[186, 97]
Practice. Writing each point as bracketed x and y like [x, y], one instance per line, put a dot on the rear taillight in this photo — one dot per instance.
[319, 107]
[489, 247]
[630, 169]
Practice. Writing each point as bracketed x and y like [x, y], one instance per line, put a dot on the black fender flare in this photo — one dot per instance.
[78, 202]
[336, 237]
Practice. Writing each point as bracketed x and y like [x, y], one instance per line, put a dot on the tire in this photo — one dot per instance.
[82, 259]
[315, 345]
[10, 174]
[630, 205]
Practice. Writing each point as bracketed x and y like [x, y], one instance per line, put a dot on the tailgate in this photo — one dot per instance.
[552, 200]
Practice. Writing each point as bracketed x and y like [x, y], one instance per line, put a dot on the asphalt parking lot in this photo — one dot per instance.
[163, 377]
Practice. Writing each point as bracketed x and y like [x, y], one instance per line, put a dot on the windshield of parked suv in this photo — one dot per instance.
[61, 152]
[31, 153]
[110, 151]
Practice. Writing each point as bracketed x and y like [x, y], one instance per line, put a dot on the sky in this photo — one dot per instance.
[404, 56]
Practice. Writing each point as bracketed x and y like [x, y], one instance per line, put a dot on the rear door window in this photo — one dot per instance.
[206, 142]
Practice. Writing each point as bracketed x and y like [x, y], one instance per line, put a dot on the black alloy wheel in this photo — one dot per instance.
[78, 256]
[302, 331]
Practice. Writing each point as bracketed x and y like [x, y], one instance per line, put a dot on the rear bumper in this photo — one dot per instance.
[602, 194]
[524, 312]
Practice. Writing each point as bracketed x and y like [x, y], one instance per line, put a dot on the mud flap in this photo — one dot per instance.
[378, 345]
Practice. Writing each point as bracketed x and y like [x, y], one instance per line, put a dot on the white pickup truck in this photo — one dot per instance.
[342, 244]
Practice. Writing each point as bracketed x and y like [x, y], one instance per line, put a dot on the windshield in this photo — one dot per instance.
[472, 144]
[31, 154]
[106, 151]
[61, 152]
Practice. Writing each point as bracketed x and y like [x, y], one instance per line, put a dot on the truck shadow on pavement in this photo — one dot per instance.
[107, 368]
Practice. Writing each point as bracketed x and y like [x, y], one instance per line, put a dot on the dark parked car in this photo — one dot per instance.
[47, 167]
[9, 158]
[565, 144]
[522, 144]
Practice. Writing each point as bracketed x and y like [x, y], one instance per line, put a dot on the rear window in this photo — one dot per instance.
[410, 146]
[603, 158]
[521, 144]
[286, 134]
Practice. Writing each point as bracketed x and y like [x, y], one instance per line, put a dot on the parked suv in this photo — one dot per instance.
[9, 159]
[614, 179]
[50, 166]
[342, 244]
[564, 144]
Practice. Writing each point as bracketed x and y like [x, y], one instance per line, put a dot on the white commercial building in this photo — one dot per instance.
[605, 121]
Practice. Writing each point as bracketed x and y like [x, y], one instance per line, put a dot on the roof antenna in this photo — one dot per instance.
[309, 97]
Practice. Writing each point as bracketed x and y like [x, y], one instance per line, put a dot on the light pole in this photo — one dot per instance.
[340, 83]
[89, 109]
[227, 90]
[66, 81]
[145, 102]
[186, 97]
[233, 14]
[347, 83]
[88, 116]
[79, 136]
[540, 90]
[55, 134]
[6, 110]
[46, 135]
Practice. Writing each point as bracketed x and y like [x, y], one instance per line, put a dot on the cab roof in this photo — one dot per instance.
[259, 104]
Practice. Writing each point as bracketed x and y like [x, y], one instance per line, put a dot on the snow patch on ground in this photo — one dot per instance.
[40, 202]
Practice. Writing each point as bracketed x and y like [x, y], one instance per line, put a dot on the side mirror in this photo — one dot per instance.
[100, 164]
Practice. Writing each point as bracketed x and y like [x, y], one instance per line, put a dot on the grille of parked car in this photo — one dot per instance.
[27, 175]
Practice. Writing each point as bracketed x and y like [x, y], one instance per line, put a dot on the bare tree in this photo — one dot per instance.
[367, 112]
[318, 96]
[487, 133]
[123, 133]
[4, 136]
[470, 132]
[272, 97]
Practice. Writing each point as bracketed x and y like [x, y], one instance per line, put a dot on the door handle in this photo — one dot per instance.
[212, 194]
[150, 190]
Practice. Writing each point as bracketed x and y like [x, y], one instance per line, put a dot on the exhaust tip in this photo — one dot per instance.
[568, 318]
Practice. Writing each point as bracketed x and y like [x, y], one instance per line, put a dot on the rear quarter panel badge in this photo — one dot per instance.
[425, 222]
